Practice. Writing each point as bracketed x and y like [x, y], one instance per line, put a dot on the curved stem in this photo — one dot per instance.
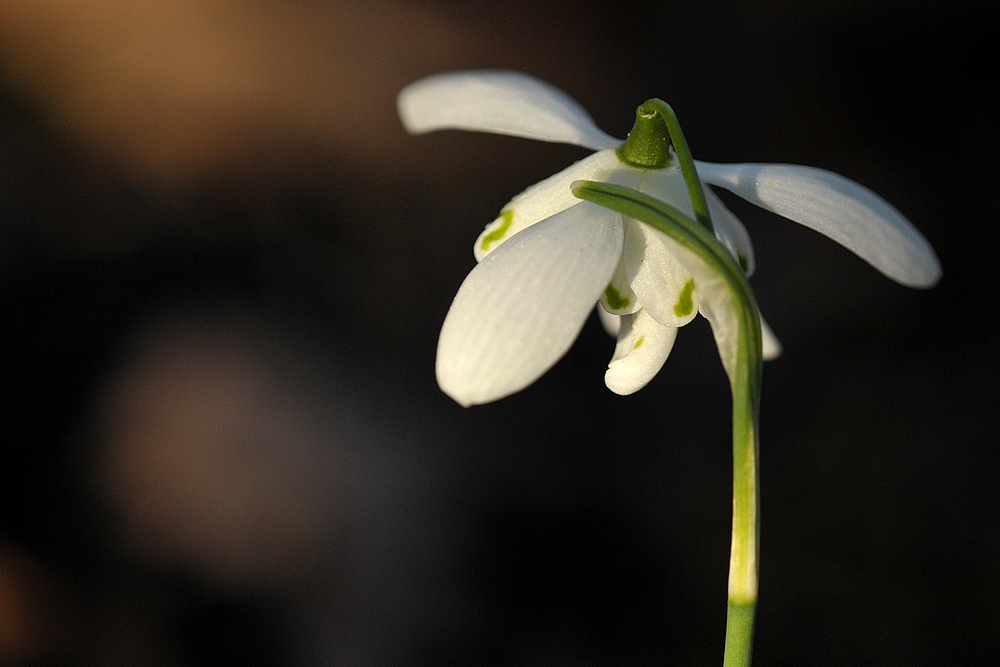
[694, 187]
[744, 379]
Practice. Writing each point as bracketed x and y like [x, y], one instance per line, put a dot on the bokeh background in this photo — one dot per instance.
[223, 266]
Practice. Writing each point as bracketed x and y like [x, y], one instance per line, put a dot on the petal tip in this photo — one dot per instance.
[467, 384]
[500, 102]
[613, 381]
[463, 398]
[930, 276]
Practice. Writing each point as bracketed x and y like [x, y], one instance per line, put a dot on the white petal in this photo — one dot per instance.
[618, 297]
[612, 323]
[643, 347]
[522, 307]
[498, 101]
[714, 300]
[543, 200]
[770, 343]
[720, 311]
[664, 287]
[850, 214]
[731, 232]
[667, 185]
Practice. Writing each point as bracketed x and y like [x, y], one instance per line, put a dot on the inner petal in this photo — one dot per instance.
[664, 287]
[715, 302]
[643, 347]
[618, 297]
[543, 200]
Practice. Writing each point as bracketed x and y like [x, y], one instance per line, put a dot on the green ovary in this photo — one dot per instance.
[507, 218]
[684, 304]
[615, 300]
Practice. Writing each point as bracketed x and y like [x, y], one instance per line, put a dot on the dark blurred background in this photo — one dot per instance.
[223, 266]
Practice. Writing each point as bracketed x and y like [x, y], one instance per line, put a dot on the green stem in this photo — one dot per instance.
[694, 187]
[745, 380]
[739, 635]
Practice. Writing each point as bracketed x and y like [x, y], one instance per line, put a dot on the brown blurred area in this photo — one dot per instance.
[215, 458]
[178, 88]
[33, 617]
[223, 266]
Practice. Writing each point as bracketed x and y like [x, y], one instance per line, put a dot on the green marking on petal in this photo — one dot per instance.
[639, 342]
[615, 300]
[684, 304]
[507, 218]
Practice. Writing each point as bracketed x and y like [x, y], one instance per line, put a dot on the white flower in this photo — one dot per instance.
[549, 256]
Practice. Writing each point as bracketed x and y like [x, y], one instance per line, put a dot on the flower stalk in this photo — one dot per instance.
[548, 257]
[745, 372]
[694, 188]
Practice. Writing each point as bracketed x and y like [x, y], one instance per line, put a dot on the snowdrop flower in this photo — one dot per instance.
[548, 257]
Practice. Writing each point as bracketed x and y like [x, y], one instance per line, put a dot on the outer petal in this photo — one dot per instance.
[769, 342]
[720, 311]
[520, 309]
[543, 200]
[667, 185]
[498, 101]
[643, 347]
[850, 214]
[731, 232]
